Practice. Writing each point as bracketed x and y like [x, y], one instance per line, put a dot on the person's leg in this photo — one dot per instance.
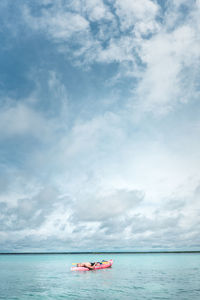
[88, 265]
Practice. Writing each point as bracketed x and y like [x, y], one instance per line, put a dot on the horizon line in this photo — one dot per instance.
[98, 252]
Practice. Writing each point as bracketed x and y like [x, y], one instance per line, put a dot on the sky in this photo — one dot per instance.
[99, 125]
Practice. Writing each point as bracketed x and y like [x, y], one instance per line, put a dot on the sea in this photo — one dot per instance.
[174, 276]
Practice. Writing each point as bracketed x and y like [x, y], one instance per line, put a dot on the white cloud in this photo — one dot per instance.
[168, 54]
[20, 120]
[96, 10]
[137, 15]
[105, 206]
[59, 24]
[119, 50]
[24, 118]
[170, 74]
[113, 185]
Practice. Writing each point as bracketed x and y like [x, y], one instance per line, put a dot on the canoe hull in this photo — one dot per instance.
[103, 266]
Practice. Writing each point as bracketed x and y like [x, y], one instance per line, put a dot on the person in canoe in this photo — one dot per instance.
[85, 266]
[89, 265]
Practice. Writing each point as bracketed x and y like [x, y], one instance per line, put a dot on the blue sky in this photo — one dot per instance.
[99, 125]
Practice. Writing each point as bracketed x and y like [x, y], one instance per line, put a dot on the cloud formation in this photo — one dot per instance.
[99, 125]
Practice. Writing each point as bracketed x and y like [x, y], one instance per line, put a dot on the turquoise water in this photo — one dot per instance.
[133, 276]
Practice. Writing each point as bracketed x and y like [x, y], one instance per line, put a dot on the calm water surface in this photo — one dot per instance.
[133, 276]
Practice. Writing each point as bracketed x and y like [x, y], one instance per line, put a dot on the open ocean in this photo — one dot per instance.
[133, 276]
